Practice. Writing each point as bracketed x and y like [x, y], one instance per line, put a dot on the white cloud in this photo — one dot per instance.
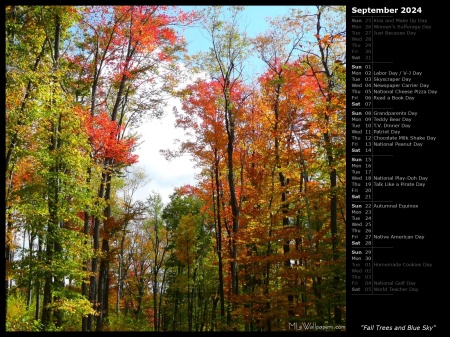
[157, 134]
[160, 134]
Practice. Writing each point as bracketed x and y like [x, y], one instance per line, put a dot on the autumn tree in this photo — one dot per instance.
[56, 148]
[126, 210]
[203, 117]
[137, 271]
[25, 52]
[159, 240]
[191, 275]
[326, 61]
[277, 157]
[224, 63]
[277, 48]
[122, 50]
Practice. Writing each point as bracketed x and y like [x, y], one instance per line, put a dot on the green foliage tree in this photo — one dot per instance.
[52, 163]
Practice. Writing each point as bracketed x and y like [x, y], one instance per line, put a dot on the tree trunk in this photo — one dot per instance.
[331, 165]
[103, 286]
[94, 262]
[219, 234]
[103, 281]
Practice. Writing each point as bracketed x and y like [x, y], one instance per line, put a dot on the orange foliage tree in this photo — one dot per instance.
[283, 153]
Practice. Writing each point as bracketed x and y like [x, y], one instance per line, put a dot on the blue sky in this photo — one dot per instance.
[254, 21]
[160, 134]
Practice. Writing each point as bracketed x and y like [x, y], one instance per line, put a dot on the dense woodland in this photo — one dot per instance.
[256, 244]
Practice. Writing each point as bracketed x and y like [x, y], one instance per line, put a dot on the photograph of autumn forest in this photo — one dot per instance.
[237, 220]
